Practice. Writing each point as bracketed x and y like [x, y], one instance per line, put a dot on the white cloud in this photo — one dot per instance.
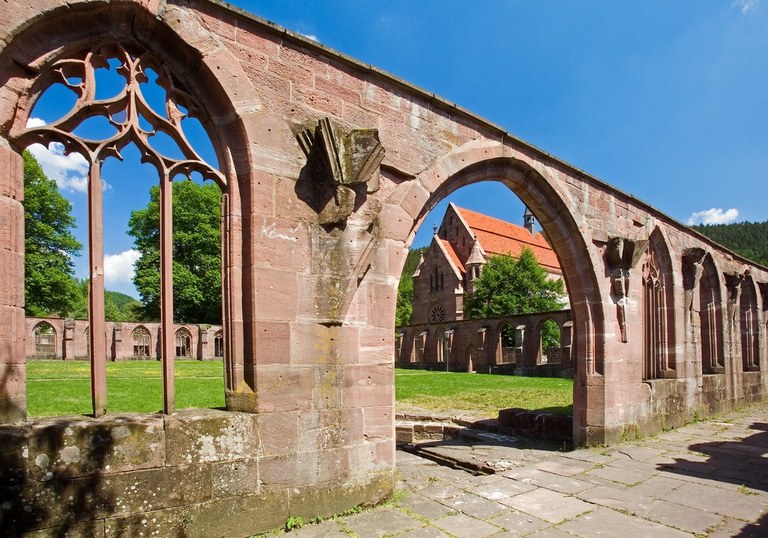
[713, 216]
[747, 6]
[313, 37]
[70, 172]
[118, 268]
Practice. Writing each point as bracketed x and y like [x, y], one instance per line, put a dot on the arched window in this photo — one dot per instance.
[183, 343]
[710, 319]
[142, 342]
[507, 345]
[45, 340]
[549, 350]
[100, 125]
[218, 344]
[658, 329]
[750, 326]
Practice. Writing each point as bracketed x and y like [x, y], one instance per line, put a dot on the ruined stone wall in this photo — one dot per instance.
[313, 252]
[196, 473]
[476, 346]
[71, 339]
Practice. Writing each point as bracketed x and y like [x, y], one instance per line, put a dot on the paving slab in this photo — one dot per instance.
[476, 506]
[519, 523]
[423, 506]
[463, 526]
[383, 522]
[718, 501]
[548, 505]
[682, 517]
[606, 522]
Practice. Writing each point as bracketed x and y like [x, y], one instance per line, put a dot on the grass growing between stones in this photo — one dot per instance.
[63, 388]
[482, 394]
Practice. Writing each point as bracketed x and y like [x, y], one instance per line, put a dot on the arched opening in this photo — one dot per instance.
[71, 67]
[658, 311]
[549, 343]
[218, 345]
[45, 340]
[749, 326]
[710, 317]
[142, 342]
[565, 243]
[510, 344]
[183, 344]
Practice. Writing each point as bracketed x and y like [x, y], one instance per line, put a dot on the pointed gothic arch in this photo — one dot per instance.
[749, 326]
[659, 358]
[76, 42]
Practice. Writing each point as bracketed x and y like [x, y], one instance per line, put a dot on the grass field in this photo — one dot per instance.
[482, 394]
[63, 388]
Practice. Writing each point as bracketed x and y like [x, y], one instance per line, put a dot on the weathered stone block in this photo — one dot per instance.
[13, 457]
[207, 435]
[278, 432]
[284, 388]
[63, 448]
[235, 516]
[329, 500]
[235, 478]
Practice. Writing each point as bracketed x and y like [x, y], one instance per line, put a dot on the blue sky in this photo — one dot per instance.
[664, 99]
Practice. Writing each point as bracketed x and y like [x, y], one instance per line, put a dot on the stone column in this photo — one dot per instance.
[12, 337]
[68, 351]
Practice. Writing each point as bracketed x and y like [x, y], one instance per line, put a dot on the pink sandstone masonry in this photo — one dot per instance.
[666, 324]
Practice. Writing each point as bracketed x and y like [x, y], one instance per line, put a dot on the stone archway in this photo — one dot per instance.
[559, 219]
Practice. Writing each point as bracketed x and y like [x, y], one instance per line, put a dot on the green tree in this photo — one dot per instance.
[49, 285]
[509, 286]
[196, 253]
[404, 311]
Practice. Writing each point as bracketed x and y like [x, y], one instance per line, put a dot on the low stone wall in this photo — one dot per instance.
[195, 473]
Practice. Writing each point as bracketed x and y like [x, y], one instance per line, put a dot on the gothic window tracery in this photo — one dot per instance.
[142, 342]
[45, 340]
[102, 121]
[437, 314]
[655, 358]
[183, 343]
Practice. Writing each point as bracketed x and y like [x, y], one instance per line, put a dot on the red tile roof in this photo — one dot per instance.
[500, 237]
[454, 257]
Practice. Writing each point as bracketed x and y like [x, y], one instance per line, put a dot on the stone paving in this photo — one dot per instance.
[705, 479]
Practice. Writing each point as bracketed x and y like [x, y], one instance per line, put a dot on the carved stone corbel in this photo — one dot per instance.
[341, 167]
[621, 256]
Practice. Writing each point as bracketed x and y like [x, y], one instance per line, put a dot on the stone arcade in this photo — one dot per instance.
[327, 167]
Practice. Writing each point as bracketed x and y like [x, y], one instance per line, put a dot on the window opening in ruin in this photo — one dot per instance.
[113, 102]
[549, 343]
[45, 341]
[710, 319]
[508, 345]
[218, 345]
[183, 344]
[654, 347]
[749, 326]
[142, 342]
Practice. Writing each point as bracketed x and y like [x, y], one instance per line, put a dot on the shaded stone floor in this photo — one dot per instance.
[706, 479]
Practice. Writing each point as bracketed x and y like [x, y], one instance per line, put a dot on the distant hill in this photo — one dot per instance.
[750, 239]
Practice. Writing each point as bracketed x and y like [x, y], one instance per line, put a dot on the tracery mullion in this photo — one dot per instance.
[167, 334]
[97, 334]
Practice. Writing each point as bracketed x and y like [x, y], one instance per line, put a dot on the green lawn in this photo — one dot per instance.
[63, 388]
[481, 393]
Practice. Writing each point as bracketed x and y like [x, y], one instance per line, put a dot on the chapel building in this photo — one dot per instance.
[460, 247]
